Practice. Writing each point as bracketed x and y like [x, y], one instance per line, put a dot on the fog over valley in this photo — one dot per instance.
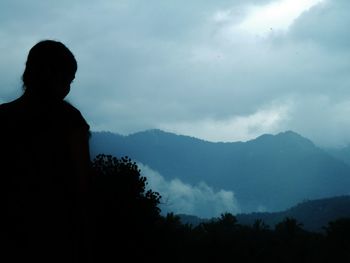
[270, 173]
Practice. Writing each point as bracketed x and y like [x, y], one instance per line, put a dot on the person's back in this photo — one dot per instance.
[44, 158]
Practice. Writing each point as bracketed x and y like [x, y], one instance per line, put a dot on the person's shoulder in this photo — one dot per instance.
[8, 107]
[10, 117]
[69, 108]
[74, 116]
[3, 109]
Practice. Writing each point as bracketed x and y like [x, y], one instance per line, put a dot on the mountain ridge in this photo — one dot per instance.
[271, 171]
[314, 215]
[287, 133]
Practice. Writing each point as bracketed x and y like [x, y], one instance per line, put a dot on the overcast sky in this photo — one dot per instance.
[223, 70]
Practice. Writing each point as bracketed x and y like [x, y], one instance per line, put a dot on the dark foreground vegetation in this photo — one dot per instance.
[126, 225]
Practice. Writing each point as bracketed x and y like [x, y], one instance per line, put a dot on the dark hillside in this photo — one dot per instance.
[271, 173]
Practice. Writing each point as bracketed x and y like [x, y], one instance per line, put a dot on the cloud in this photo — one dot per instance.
[321, 119]
[325, 25]
[200, 200]
[278, 15]
[189, 66]
[236, 128]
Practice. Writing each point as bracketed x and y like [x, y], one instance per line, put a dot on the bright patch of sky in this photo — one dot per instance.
[278, 15]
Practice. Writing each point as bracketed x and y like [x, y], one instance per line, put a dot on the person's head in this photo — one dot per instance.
[49, 71]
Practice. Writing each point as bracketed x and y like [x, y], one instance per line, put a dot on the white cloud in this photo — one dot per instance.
[200, 200]
[236, 128]
[322, 119]
[278, 15]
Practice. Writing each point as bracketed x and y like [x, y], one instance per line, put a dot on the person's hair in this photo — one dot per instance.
[47, 60]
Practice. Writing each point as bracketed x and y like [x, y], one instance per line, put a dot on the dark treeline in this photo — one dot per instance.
[126, 223]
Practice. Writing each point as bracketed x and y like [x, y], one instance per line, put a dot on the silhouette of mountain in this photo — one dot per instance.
[269, 173]
[314, 215]
[342, 153]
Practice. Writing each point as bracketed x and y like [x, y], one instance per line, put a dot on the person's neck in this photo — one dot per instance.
[39, 98]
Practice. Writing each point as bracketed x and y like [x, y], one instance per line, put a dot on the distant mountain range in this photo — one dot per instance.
[314, 215]
[270, 173]
[341, 153]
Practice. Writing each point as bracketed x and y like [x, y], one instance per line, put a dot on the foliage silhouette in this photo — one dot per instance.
[124, 212]
[288, 228]
[259, 225]
[128, 223]
[119, 183]
[338, 237]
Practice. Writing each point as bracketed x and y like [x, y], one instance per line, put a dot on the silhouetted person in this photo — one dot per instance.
[44, 161]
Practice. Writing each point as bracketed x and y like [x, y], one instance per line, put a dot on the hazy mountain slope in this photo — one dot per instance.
[341, 153]
[272, 172]
[314, 215]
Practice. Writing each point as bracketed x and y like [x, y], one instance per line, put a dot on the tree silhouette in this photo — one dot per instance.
[227, 220]
[128, 224]
[339, 230]
[260, 226]
[338, 236]
[124, 212]
[288, 228]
